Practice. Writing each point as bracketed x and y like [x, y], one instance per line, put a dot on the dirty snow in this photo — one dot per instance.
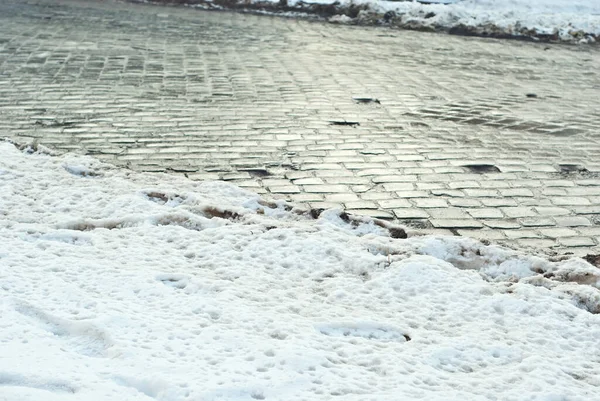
[567, 19]
[127, 286]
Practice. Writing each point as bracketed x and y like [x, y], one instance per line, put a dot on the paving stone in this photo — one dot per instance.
[399, 186]
[589, 231]
[502, 224]
[483, 234]
[558, 232]
[361, 205]
[376, 196]
[572, 221]
[359, 189]
[325, 189]
[514, 212]
[430, 186]
[394, 203]
[448, 213]
[464, 185]
[577, 242]
[570, 201]
[498, 202]
[308, 181]
[407, 213]
[552, 211]
[539, 244]
[380, 179]
[537, 222]
[464, 202]
[306, 197]
[341, 198]
[519, 234]
[456, 223]
[481, 193]
[411, 194]
[378, 214]
[446, 192]
[516, 192]
[485, 213]
[429, 202]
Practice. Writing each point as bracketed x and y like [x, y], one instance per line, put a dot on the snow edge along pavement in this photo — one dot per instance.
[574, 278]
[450, 17]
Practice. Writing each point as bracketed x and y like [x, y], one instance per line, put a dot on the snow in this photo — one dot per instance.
[543, 16]
[130, 286]
[569, 20]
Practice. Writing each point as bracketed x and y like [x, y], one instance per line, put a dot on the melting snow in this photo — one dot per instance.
[126, 286]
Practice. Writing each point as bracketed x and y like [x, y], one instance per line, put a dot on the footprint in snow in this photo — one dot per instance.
[80, 336]
[16, 380]
[365, 330]
[81, 171]
[152, 388]
[174, 280]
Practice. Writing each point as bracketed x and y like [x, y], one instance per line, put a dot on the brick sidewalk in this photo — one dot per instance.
[497, 140]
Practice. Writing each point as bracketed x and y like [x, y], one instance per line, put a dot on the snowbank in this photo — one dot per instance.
[126, 286]
[557, 20]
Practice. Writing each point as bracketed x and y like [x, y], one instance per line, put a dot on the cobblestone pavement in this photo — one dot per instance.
[492, 139]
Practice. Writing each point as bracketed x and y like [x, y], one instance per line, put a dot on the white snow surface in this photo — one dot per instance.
[117, 285]
[545, 17]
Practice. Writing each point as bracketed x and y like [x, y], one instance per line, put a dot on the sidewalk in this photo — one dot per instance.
[491, 139]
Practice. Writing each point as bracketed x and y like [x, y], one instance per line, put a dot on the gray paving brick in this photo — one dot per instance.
[284, 189]
[537, 222]
[448, 213]
[379, 214]
[577, 242]
[498, 202]
[427, 203]
[446, 192]
[570, 201]
[485, 213]
[520, 234]
[325, 189]
[361, 205]
[408, 213]
[456, 223]
[572, 221]
[552, 211]
[558, 232]
[502, 224]
[399, 186]
[411, 194]
[514, 212]
[341, 198]
[483, 234]
[516, 192]
[394, 203]
[464, 202]
[539, 244]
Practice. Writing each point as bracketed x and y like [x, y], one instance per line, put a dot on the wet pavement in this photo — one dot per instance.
[498, 140]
